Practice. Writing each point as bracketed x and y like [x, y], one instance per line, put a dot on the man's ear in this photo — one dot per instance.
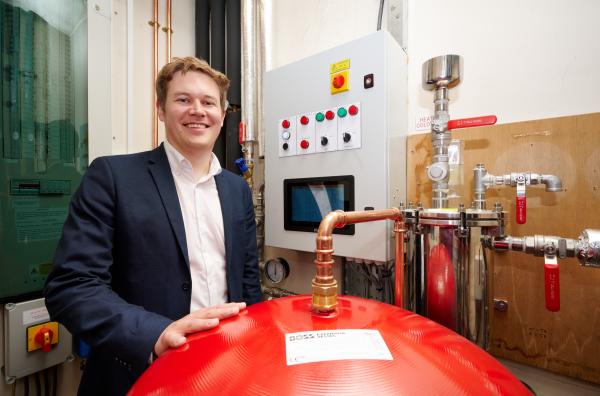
[223, 119]
[160, 111]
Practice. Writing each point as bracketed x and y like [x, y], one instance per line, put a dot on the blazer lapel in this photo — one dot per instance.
[161, 173]
[226, 210]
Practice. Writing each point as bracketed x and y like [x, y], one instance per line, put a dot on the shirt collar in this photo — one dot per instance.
[181, 165]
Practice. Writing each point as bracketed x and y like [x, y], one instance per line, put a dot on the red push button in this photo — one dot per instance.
[285, 124]
[304, 144]
[304, 120]
[329, 115]
[353, 110]
[338, 81]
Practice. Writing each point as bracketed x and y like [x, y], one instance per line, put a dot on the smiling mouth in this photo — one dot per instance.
[196, 125]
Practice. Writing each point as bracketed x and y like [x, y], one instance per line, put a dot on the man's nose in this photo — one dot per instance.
[196, 107]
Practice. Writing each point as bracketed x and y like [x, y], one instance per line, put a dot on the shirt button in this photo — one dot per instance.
[185, 286]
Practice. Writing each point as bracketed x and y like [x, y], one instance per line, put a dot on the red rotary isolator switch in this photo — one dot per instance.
[338, 81]
[44, 338]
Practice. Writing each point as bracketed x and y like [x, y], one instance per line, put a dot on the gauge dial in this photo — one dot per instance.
[277, 270]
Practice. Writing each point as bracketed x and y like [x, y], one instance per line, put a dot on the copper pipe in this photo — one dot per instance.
[324, 285]
[399, 231]
[167, 29]
[155, 25]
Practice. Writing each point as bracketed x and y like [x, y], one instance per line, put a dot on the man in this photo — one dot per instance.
[156, 243]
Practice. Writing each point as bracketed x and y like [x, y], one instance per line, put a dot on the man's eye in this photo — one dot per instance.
[181, 100]
[209, 103]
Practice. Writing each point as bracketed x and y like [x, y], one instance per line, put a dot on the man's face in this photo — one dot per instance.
[192, 112]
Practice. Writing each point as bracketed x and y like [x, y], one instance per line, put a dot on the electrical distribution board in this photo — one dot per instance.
[43, 148]
[336, 126]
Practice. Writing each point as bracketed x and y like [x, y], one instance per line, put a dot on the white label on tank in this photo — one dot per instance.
[325, 345]
[36, 315]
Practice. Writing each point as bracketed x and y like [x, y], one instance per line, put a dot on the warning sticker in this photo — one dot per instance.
[325, 345]
[42, 224]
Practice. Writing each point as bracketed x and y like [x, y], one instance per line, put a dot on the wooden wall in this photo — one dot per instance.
[568, 341]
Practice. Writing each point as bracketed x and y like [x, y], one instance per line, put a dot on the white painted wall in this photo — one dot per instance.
[522, 59]
[120, 69]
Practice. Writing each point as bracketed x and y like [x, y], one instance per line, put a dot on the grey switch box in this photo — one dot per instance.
[17, 361]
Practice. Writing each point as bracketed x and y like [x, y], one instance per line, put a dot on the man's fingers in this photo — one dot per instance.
[203, 319]
[220, 311]
[174, 339]
[191, 324]
[239, 305]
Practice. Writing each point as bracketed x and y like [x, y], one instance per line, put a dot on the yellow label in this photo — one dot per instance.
[32, 345]
[339, 66]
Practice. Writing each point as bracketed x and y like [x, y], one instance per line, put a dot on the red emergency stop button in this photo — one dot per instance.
[304, 120]
[285, 124]
[329, 115]
[44, 338]
[304, 144]
[338, 81]
[353, 110]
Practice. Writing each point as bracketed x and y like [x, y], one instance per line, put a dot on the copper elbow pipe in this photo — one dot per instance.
[324, 285]
[399, 231]
[155, 25]
[167, 29]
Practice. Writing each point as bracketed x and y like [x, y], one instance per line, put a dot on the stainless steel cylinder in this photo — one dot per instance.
[447, 268]
[588, 248]
[441, 71]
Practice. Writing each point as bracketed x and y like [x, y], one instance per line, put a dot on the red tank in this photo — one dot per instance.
[246, 355]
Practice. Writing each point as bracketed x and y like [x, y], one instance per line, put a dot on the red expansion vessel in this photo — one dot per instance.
[246, 355]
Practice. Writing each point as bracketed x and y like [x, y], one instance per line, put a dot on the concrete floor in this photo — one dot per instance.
[545, 383]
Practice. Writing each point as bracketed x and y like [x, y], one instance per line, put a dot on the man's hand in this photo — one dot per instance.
[203, 319]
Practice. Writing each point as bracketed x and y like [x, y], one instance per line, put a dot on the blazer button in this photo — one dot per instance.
[185, 286]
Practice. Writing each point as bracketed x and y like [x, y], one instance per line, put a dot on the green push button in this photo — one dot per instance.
[342, 112]
[319, 116]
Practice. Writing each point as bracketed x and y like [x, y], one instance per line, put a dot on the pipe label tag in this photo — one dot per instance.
[340, 344]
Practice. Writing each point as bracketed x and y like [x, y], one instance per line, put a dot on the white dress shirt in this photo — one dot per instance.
[203, 222]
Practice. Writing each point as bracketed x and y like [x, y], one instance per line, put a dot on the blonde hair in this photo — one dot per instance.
[184, 65]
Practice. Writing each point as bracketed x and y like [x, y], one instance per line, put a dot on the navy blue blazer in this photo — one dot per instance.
[121, 270]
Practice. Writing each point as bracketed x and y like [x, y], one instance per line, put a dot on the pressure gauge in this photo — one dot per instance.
[277, 270]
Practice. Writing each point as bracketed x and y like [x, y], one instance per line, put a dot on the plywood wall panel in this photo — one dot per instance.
[568, 341]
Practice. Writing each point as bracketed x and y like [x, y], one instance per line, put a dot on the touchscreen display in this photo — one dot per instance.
[307, 201]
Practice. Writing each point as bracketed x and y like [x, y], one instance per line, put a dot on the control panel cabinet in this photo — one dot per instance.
[339, 115]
